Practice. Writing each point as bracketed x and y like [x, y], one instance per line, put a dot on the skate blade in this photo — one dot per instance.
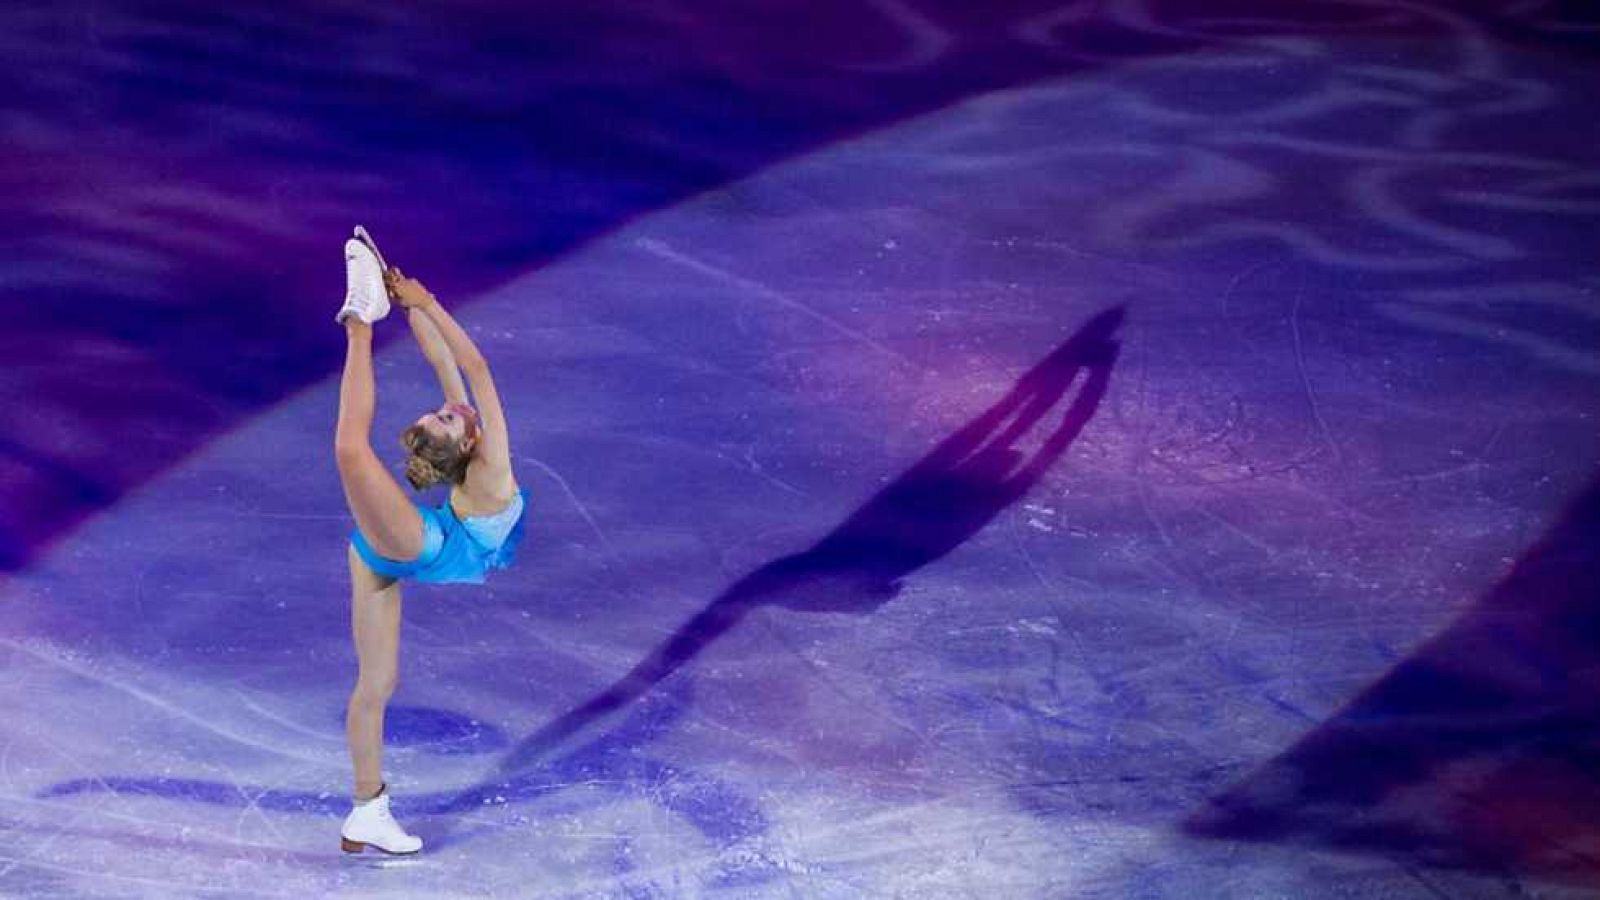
[350, 846]
[365, 238]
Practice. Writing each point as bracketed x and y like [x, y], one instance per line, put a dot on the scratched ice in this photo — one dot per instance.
[978, 507]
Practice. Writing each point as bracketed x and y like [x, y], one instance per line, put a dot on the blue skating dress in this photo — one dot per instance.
[455, 550]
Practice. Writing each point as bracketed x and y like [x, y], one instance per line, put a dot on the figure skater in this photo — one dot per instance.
[476, 529]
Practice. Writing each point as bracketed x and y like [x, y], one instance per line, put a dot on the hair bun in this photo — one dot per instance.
[421, 473]
[432, 460]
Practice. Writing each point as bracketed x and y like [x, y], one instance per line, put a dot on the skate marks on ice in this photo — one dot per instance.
[612, 762]
[1412, 166]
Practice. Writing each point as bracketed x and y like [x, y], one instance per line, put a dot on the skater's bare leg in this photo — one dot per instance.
[375, 620]
[386, 517]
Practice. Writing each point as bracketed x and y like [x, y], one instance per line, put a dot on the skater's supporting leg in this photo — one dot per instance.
[375, 620]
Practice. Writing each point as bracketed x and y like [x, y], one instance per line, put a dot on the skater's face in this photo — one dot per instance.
[456, 422]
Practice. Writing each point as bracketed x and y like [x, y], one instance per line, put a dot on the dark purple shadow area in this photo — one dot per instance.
[1480, 751]
[929, 510]
[439, 731]
[178, 175]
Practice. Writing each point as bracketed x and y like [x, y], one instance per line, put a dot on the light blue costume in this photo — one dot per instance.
[455, 550]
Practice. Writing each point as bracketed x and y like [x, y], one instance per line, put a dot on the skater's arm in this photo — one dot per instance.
[495, 446]
[416, 298]
[438, 355]
[494, 441]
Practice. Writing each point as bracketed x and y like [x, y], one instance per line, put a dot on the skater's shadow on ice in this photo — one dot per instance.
[929, 510]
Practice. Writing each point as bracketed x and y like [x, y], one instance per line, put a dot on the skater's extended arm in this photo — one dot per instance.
[495, 447]
[438, 355]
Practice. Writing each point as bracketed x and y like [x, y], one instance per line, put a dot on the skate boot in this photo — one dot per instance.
[365, 295]
[371, 823]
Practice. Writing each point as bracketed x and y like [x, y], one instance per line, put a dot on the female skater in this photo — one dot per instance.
[476, 529]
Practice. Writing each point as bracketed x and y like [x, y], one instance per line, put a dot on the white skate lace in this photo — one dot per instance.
[388, 818]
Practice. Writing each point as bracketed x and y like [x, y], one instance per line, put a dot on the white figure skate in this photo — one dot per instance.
[371, 823]
[365, 295]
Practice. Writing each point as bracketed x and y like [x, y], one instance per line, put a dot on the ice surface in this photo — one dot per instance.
[1101, 487]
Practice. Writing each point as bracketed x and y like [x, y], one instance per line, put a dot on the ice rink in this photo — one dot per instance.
[1113, 449]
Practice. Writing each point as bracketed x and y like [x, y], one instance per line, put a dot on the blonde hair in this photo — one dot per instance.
[433, 460]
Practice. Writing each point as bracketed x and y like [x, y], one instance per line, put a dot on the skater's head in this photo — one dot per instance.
[440, 444]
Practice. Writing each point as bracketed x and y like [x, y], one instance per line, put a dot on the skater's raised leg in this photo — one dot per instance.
[386, 517]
